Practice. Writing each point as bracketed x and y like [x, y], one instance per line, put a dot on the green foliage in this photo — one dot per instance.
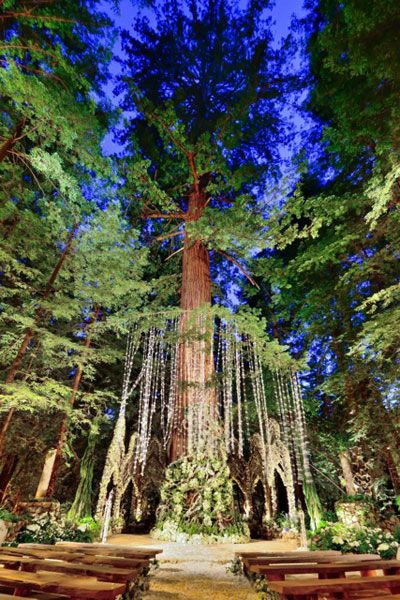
[197, 503]
[355, 539]
[46, 530]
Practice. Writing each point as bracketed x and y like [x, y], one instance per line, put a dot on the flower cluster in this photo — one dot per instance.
[357, 539]
[47, 530]
[197, 503]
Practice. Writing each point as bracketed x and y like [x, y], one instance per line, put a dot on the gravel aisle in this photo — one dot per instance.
[195, 572]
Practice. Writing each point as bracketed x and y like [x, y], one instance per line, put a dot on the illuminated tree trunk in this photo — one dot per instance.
[195, 344]
[347, 470]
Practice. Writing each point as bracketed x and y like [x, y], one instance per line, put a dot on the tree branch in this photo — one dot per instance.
[161, 215]
[169, 235]
[240, 267]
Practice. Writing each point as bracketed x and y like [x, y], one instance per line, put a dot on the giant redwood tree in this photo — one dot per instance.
[204, 85]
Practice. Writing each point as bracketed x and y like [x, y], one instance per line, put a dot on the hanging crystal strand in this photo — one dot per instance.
[294, 437]
[245, 400]
[219, 370]
[145, 401]
[172, 395]
[264, 403]
[231, 373]
[256, 394]
[227, 378]
[163, 369]
[281, 409]
[238, 396]
[225, 389]
[287, 434]
[298, 398]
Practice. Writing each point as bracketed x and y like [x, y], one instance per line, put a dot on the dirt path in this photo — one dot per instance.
[195, 572]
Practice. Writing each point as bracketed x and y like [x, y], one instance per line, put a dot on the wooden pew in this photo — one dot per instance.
[95, 549]
[116, 549]
[336, 569]
[294, 554]
[345, 588]
[75, 587]
[305, 558]
[36, 597]
[72, 556]
[100, 572]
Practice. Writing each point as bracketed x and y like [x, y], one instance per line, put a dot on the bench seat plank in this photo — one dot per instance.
[94, 550]
[337, 567]
[295, 553]
[72, 556]
[101, 572]
[115, 549]
[261, 560]
[308, 587]
[76, 588]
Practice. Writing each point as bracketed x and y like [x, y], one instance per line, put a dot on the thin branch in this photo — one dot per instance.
[173, 254]
[161, 215]
[240, 267]
[159, 238]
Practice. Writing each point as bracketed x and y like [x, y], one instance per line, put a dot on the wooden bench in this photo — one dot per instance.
[37, 596]
[305, 558]
[294, 554]
[102, 573]
[115, 549]
[330, 570]
[75, 587]
[346, 588]
[72, 556]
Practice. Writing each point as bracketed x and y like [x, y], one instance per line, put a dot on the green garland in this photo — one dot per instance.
[197, 503]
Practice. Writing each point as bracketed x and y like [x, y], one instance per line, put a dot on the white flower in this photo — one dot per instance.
[82, 527]
[33, 527]
[383, 547]
[354, 544]
[337, 540]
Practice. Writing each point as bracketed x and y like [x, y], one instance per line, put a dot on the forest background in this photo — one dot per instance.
[85, 246]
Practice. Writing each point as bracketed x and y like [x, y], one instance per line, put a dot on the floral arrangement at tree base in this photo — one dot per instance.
[356, 512]
[197, 503]
[47, 530]
[356, 538]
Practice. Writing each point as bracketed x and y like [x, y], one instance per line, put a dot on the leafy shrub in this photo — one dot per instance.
[197, 503]
[45, 530]
[355, 538]
[396, 534]
[6, 515]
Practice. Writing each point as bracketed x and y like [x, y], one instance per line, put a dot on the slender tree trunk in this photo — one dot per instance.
[63, 431]
[393, 469]
[9, 143]
[30, 332]
[7, 473]
[345, 463]
[195, 294]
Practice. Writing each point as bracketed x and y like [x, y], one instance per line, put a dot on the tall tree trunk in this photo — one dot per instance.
[63, 431]
[30, 332]
[195, 294]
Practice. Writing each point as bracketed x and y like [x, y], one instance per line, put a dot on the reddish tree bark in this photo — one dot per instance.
[30, 332]
[195, 294]
[63, 431]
